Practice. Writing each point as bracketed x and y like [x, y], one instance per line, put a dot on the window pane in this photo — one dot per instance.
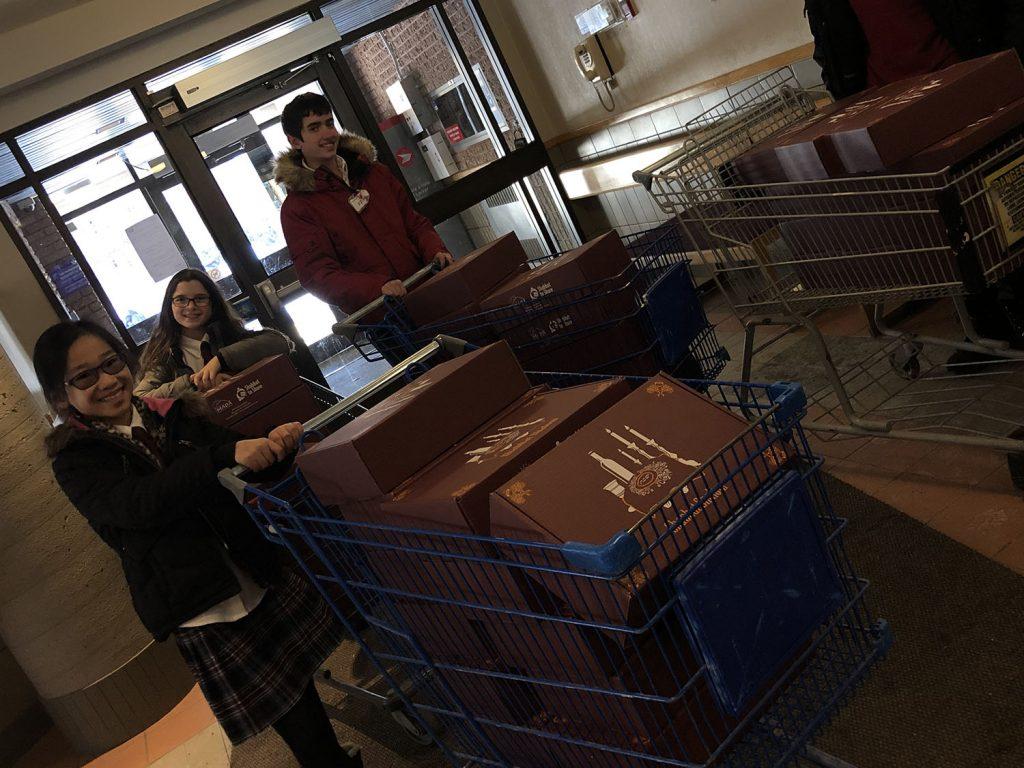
[51, 254]
[136, 227]
[106, 173]
[541, 186]
[485, 222]
[348, 15]
[256, 211]
[81, 130]
[198, 235]
[496, 89]
[224, 54]
[9, 170]
[102, 234]
[240, 153]
[427, 111]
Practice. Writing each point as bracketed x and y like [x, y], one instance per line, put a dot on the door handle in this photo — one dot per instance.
[270, 295]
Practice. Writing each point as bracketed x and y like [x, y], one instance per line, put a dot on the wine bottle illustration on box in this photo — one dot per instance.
[506, 440]
[649, 471]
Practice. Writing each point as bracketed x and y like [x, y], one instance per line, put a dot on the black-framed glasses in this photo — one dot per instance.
[89, 377]
[202, 300]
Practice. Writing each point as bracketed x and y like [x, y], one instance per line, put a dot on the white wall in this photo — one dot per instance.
[669, 46]
[36, 78]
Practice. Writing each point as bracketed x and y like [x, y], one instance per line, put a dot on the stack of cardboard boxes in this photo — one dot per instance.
[470, 450]
[920, 125]
[580, 311]
[261, 397]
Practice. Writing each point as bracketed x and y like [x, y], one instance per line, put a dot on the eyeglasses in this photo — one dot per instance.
[202, 300]
[89, 377]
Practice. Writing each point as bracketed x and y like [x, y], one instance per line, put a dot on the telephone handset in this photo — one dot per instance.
[592, 61]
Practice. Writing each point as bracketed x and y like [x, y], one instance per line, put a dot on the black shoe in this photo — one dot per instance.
[353, 756]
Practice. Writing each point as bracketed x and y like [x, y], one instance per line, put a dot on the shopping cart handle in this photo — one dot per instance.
[643, 178]
[349, 327]
[232, 480]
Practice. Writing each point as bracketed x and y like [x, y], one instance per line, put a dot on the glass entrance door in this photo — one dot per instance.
[240, 153]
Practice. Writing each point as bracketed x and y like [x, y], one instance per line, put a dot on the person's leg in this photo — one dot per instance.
[307, 731]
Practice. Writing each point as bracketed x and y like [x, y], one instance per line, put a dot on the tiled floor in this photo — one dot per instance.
[965, 493]
[187, 737]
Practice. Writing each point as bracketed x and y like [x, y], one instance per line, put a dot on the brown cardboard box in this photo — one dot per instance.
[599, 271]
[448, 633]
[872, 251]
[453, 491]
[599, 259]
[959, 146]
[900, 120]
[796, 153]
[878, 129]
[396, 438]
[261, 397]
[593, 351]
[618, 474]
[466, 281]
[297, 405]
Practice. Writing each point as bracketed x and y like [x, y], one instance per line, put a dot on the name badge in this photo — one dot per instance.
[359, 200]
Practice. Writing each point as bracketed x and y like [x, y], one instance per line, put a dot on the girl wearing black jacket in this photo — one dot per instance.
[143, 472]
[199, 340]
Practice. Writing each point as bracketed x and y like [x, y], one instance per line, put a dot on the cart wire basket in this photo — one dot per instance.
[726, 627]
[783, 253]
[648, 318]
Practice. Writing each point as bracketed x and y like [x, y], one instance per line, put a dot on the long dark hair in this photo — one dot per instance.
[50, 357]
[167, 333]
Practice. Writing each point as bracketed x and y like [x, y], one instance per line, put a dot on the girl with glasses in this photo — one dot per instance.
[143, 472]
[199, 340]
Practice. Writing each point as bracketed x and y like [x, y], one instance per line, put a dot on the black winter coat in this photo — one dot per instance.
[169, 525]
[973, 27]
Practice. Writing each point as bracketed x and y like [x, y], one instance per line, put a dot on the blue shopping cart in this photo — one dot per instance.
[647, 319]
[516, 653]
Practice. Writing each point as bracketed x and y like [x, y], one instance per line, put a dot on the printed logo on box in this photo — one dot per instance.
[543, 289]
[249, 388]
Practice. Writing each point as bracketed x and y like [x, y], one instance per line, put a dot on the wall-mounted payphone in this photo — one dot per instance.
[592, 60]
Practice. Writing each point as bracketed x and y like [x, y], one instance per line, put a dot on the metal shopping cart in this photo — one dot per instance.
[785, 252]
[647, 319]
[524, 654]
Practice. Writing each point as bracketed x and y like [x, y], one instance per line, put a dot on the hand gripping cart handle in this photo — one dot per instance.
[233, 480]
[349, 327]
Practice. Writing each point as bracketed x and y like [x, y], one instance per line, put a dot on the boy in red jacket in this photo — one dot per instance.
[349, 223]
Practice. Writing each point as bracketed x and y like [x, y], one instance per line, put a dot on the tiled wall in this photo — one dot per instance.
[632, 209]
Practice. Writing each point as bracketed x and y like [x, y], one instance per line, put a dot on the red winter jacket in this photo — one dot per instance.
[341, 256]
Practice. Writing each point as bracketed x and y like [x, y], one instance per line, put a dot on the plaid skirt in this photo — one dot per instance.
[252, 671]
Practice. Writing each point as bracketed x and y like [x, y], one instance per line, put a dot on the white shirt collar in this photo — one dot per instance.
[136, 422]
[341, 168]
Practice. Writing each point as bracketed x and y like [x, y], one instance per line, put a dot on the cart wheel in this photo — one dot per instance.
[411, 727]
[906, 361]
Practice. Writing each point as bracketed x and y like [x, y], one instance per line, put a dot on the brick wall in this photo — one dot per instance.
[419, 49]
[44, 243]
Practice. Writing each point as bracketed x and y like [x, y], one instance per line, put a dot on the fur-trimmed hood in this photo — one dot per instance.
[295, 177]
[193, 404]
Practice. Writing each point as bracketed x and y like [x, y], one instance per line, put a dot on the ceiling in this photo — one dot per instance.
[18, 13]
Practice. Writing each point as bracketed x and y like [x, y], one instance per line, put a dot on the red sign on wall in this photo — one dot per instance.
[454, 133]
[404, 156]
